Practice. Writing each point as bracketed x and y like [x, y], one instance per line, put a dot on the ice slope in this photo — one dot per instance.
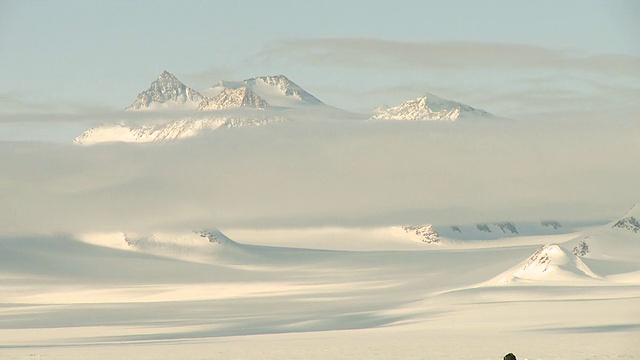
[166, 93]
[430, 107]
[198, 246]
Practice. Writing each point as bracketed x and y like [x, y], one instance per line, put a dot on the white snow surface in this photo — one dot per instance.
[201, 295]
[429, 107]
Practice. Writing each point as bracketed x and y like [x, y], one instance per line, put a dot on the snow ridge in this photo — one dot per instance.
[234, 98]
[166, 91]
[285, 86]
[179, 129]
[428, 107]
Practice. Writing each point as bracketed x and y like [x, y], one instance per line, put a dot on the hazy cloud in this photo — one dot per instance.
[319, 173]
[385, 54]
[473, 73]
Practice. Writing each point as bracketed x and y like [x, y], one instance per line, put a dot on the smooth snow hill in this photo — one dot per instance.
[196, 246]
[429, 108]
[167, 93]
[549, 264]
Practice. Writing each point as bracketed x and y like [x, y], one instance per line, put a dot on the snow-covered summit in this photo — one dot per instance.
[234, 98]
[550, 263]
[167, 92]
[276, 90]
[429, 107]
[285, 86]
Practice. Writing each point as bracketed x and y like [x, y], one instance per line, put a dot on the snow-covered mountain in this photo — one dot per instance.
[234, 98]
[167, 93]
[429, 107]
[178, 129]
[549, 264]
[238, 99]
[277, 91]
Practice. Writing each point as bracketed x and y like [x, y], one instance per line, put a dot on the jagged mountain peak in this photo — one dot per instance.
[167, 76]
[165, 92]
[429, 107]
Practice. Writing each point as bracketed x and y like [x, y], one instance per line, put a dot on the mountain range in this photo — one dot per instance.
[428, 107]
[251, 102]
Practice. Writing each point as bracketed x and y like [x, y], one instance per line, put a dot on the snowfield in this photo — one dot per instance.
[202, 295]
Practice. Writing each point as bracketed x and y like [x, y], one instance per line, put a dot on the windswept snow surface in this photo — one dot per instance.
[202, 295]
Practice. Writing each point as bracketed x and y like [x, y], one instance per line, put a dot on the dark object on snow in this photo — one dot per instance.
[509, 356]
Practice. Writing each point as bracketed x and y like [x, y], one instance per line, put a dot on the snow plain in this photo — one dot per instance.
[202, 295]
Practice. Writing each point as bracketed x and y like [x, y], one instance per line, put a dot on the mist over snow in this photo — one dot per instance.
[326, 173]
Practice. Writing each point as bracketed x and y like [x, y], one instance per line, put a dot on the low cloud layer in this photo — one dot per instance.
[327, 173]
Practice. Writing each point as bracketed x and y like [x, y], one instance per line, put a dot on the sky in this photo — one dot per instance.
[512, 58]
[567, 73]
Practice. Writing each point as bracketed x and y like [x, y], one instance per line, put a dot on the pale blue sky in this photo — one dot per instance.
[90, 56]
